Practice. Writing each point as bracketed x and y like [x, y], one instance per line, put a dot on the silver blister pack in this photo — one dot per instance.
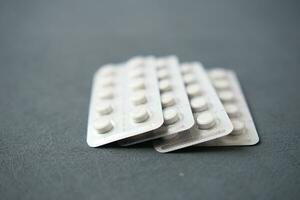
[231, 95]
[125, 102]
[211, 120]
[177, 113]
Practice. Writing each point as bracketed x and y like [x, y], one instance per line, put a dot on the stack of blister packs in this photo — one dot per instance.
[176, 105]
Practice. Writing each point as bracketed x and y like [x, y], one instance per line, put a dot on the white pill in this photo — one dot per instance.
[135, 67]
[205, 120]
[136, 62]
[139, 98]
[231, 109]
[106, 82]
[137, 84]
[167, 99]
[198, 104]
[226, 96]
[161, 64]
[170, 116]
[162, 74]
[104, 108]
[189, 78]
[136, 73]
[108, 71]
[218, 74]
[238, 127]
[103, 125]
[221, 84]
[165, 85]
[193, 90]
[106, 94]
[186, 68]
[140, 115]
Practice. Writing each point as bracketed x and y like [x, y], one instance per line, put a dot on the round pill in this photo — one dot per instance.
[186, 68]
[136, 62]
[193, 90]
[107, 81]
[108, 71]
[137, 84]
[238, 127]
[231, 109]
[140, 115]
[162, 74]
[135, 67]
[139, 98]
[103, 125]
[165, 85]
[221, 84]
[104, 108]
[198, 104]
[226, 96]
[170, 116]
[167, 99]
[217, 74]
[205, 120]
[189, 78]
[106, 94]
[136, 73]
[161, 64]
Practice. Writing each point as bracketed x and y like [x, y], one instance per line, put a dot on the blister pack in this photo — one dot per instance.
[125, 102]
[231, 95]
[211, 120]
[177, 113]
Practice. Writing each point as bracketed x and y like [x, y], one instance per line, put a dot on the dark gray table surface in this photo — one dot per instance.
[49, 51]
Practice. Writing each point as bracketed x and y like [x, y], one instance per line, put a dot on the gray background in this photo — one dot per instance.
[49, 51]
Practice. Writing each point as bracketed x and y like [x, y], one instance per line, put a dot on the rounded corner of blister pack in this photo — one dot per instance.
[160, 150]
[256, 141]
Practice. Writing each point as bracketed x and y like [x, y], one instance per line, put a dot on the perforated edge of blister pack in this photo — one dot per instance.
[129, 102]
[231, 95]
[177, 113]
[211, 120]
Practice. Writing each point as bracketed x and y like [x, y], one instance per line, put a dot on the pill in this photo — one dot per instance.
[165, 85]
[104, 108]
[217, 74]
[231, 109]
[136, 63]
[185, 68]
[170, 116]
[226, 96]
[162, 74]
[161, 64]
[193, 90]
[221, 84]
[103, 125]
[107, 81]
[136, 73]
[139, 98]
[140, 115]
[108, 71]
[198, 104]
[189, 78]
[167, 99]
[205, 120]
[137, 84]
[135, 67]
[238, 127]
[106, 94]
